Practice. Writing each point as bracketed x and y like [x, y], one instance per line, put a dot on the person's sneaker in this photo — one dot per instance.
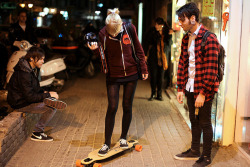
[188, 155]
[202, 161]
[104, 150]
[54, 103]
[152, 97]
[40, 136]
[123, 143]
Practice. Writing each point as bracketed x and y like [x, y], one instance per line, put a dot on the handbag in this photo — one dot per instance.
[129, 30]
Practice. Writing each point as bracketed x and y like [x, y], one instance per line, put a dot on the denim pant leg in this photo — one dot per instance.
[39, 108]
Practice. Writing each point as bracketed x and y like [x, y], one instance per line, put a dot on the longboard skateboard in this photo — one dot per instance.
[93, 156]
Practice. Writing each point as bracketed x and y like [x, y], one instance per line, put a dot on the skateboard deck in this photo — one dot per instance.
[93, 156]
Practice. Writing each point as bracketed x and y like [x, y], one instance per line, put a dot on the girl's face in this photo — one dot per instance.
[158, 27]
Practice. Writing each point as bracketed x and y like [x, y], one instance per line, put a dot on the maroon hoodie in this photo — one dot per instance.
[119, 53]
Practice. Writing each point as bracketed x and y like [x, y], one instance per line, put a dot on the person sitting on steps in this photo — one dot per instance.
[26, 95]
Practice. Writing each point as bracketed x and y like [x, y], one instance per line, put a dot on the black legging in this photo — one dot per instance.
[113, 99]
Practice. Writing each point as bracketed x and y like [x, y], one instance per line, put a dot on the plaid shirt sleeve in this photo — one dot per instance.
[210, 64]
[180, 71]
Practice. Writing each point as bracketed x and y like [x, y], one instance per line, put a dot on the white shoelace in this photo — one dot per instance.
[104, 147]
[43, 134]
[123, 141]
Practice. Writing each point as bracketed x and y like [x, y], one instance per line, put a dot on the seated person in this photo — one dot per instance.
[26, 95]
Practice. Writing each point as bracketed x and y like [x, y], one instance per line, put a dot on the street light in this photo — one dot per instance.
[30, 5]
[22, 5]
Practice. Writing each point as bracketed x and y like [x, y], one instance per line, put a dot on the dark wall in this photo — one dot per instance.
[154, 9]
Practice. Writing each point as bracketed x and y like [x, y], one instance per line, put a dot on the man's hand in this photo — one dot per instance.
[199, 102]
[54, 94]
[146, 59]
[93, 45]
[144, 76]
[180, 97]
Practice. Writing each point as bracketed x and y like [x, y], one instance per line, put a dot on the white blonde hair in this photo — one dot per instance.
[113, 16]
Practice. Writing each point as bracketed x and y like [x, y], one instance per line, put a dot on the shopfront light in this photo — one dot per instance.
[97, 12]
[22, 5]
[100, 5]
[53, 10]
[46, 10]
[42, 14]
[30, 5]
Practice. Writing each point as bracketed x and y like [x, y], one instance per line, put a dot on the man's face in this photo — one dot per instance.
[39, 63]
[185, 23]
[158, 27]
[22, 17]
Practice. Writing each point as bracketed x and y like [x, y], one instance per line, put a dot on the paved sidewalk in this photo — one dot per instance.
[80, 129]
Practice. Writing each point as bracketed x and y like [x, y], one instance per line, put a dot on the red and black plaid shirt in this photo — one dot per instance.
[206, 66]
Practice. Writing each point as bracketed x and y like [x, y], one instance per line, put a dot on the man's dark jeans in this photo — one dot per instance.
[200, 124]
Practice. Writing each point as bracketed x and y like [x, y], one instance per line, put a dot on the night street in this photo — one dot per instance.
[80, 129]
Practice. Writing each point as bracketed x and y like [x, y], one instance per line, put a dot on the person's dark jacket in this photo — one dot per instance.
[16, 33]
[119, 54]
[152, 38]
[24, 88]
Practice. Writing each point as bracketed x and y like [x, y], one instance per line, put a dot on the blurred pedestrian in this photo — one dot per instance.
[157, 46]
[122, 70]
[21, 30]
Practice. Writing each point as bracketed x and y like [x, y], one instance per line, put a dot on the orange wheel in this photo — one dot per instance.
[78, 163]
[97, 165]
[138, 147]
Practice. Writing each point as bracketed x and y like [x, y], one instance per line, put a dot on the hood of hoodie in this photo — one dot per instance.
[23, 65]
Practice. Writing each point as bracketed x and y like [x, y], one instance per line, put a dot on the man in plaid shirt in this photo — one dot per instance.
[197, 79]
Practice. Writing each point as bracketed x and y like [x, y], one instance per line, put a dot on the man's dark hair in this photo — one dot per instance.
[35, 52]
[22, 11]
[189, 10]
[159, 21]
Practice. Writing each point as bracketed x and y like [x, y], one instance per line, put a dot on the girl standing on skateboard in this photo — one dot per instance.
[117, 41]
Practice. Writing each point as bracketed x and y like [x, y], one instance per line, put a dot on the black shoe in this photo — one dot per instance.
[188, 155]
[104, 150]
[40, 136]
[159, 98]
[123, 143]
[202, 161]
[152, 97]
[54, 103]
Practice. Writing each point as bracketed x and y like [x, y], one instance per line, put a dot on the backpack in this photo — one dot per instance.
[221, 55]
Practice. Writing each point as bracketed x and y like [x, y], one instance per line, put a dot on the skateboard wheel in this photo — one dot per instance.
[138, 148]
[79, 163]
[97, 165]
